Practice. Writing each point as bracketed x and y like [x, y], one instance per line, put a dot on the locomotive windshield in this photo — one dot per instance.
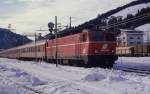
[99, 36]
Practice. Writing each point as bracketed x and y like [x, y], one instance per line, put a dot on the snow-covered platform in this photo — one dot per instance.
[29, 77]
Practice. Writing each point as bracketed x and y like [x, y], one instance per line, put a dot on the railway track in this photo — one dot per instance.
[134, 70]
[20, 85]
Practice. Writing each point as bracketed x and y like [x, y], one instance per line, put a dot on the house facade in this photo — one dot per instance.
[130, 37]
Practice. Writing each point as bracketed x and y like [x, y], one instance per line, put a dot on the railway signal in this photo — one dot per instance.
[51, 26]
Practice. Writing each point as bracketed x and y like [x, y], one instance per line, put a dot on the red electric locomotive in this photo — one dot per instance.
[90, 48]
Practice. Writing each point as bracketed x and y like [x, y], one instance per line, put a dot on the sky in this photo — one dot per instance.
[31, 15]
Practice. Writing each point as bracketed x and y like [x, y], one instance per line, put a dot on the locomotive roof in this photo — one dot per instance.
[68, 33]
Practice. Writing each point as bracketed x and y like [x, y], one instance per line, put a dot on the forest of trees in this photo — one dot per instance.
[132, 24]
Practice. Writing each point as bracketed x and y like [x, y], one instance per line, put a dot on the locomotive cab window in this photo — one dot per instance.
[97, 36]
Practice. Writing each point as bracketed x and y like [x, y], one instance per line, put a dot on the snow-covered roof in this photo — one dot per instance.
[130, 31]
[145, 27]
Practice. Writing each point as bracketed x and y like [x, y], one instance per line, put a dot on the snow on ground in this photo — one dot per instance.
[29, 77]
[142, 63]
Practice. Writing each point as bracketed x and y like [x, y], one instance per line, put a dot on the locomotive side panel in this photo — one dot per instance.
[67, 47]
[86, 47]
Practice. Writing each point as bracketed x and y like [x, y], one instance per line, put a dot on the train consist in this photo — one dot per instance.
[132, 51]
[87, 48]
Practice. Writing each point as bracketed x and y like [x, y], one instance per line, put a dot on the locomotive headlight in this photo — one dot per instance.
[105, 46]
[96, 51]
[84, 51]
[112, 51]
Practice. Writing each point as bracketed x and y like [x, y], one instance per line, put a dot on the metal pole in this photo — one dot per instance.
[56, 46]
[35, 48]
[148, 37]
[70, 22]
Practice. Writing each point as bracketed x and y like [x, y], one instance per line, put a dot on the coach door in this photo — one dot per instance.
[77, 47]
[132, 51]
[148, 50]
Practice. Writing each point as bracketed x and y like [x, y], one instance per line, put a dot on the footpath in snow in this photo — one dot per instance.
[29, 77]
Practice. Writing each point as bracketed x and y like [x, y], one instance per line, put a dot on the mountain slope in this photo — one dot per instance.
[9, 39]
[131, 10]
[145, 27]
[128, 11]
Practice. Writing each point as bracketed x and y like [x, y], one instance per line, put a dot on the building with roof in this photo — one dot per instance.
[130, 37]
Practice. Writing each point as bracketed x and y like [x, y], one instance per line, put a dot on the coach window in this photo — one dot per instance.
[31, 49]
[23, 50]
[38, 48]
[46, 44]
[41, 48]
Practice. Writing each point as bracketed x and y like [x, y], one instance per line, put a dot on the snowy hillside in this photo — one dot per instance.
[146, 29]
[24, 77]
[134, 10]
[9, 39]
[131, 10]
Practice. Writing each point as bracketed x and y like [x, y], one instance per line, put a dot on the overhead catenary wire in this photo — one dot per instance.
[138, 18]
[129, 20]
